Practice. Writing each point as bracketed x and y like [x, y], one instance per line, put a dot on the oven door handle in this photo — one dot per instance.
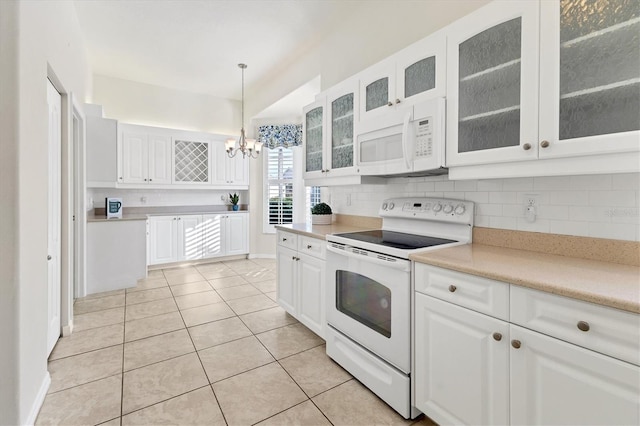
[401, 264]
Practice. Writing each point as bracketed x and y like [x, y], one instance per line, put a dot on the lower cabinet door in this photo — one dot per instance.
[310, 283]
[213, 235]
[237, 234]
[555, 382]
[286, 291]
[162, 239]
[189, 237]
[461, 373]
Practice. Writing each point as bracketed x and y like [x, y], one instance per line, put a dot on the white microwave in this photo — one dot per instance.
[407, 141]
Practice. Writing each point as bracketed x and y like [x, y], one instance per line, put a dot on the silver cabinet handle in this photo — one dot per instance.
[398, 101]
[389, 103]
[49, 257]
[309, 246]
[516, 344]
[497, 336]
[544, 144]
[452, 288]
[284, 239]
[526, 146]
[583, 326]
[150, 179]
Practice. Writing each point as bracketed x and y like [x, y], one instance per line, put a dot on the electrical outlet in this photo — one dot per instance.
[531, 200]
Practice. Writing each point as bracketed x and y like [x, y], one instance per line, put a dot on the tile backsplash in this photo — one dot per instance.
[163, 197]
[600, 206]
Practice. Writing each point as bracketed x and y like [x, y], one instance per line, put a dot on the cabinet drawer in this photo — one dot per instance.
[287, 239]
[606, 330]
[479, 294]
[312, 246]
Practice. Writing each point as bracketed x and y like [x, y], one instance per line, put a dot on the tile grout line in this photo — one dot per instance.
[124, 329]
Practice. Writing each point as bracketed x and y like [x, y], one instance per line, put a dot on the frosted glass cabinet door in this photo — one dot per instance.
[377, 89]
[590, 77]
[342, 132]
[313, 133]
[492, 84]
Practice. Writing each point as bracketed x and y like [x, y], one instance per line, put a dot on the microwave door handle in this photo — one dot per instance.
[402, 265]
[405, 140]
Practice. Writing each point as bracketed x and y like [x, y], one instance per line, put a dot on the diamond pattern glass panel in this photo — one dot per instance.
[599, 67]
[191, 161]
[489, 88]
[377, 94]
[342, 132]
[420, 77]
[313, 140]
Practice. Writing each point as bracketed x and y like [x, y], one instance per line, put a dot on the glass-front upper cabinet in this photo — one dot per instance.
[413, 74]
[590, 77]
[492, 87]
[313, 134]
[342, 102]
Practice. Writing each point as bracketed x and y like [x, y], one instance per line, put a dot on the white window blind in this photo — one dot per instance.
[280, 181]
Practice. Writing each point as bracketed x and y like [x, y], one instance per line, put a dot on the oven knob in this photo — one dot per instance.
[448, 208]
[384, 206]
[391, 206]
[460, 209]
[437, 207]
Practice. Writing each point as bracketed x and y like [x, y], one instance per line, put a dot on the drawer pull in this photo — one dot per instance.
[583, 326]
[309, 246]
[516, 344]
[497, 336]
[452, 288]
[284, 239]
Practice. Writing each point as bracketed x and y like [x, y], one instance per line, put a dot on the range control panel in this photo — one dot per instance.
[440, 209]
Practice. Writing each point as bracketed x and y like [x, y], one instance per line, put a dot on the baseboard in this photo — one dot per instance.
[67, 329]
[37, 403]
[261, 256]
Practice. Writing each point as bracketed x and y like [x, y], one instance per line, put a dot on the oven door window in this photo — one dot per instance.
[364, 300]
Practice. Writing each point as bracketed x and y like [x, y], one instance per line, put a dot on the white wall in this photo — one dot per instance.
[140, 103]
[163, 197]
[48, 37]
[601, 206]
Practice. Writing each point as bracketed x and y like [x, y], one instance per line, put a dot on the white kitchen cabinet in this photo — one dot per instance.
[101, 152]
[144, 158]
[192, 161]
[314, 136]
[589, 78]
[163, 245]
[415, 73]
[554, 382]
[189, 237]
[236, 235]
[213, 235]
[342, 109]
[236, 170]
[492, 84]
[301, 279]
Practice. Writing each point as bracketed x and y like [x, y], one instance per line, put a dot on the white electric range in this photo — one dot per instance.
[369, 290]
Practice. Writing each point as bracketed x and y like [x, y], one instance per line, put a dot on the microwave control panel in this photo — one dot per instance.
[424, 137]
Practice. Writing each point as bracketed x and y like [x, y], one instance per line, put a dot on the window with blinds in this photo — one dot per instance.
[280, 181]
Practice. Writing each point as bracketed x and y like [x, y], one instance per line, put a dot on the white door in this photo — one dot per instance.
[311, 277]
[313, 139]
[162, 239]
[135, 158]
[286, 291]
[212, 235]
[492, 84]
[342, 111]
[377, 89]
[236, 234]
[461, 364]
[54, 102]
[219, 161]
[557, 383]
[189, 237]
[237, 170]
[160, 171]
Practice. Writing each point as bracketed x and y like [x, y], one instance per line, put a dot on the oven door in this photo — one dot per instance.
[368, 300]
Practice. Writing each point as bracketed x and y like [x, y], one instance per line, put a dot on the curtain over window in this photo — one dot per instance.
[280, 135]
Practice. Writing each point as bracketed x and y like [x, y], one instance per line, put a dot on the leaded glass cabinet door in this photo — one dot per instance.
[492, 84]
[377, 89]
[590, 77]
[421, 70]
[313, 133]
[342, 104]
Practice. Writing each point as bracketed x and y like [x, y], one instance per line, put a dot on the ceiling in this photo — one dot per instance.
[196, 45]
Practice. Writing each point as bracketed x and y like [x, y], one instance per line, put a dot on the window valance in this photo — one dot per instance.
[280, 136]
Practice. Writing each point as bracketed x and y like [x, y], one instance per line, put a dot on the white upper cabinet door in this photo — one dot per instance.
[191, 161]
[237, 234]
[135, 158]
[219, 161]
[314, 135]
[159, 159]
[342, 109]
[189, 237]
[492, 84]
[589, 77]
[377, 89]
[237, 171]
[421, 70]
[557, 383]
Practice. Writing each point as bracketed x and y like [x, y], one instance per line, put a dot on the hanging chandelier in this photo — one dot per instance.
[248, 147]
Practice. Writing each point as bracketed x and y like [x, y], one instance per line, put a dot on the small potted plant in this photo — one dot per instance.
[234, 199]
[321, 214]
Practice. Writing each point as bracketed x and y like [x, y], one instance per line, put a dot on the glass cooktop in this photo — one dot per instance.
[398, 240]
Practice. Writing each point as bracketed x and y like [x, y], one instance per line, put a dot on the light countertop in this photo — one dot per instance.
[164, 211]
[609, 284]
[321, 231]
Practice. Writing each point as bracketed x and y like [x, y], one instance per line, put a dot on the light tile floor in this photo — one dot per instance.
[203, 344]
